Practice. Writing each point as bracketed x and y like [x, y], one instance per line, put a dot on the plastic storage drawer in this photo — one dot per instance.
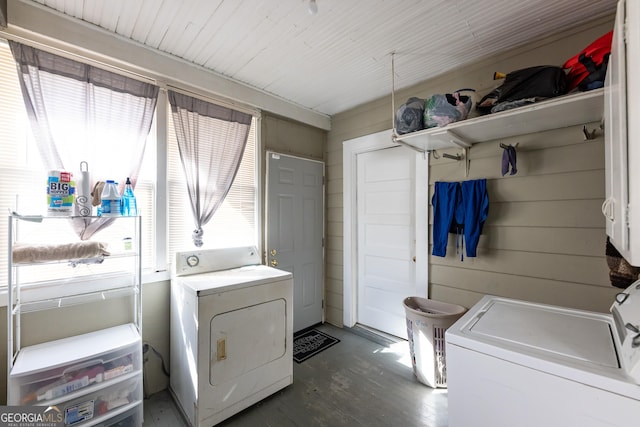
[102, 406]
[48, 373]
[131, 418]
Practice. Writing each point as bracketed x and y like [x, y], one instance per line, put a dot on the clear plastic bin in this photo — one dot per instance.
[427, 321]
[47, 373]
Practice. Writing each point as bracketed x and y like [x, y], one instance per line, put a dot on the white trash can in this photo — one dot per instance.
[427, 321]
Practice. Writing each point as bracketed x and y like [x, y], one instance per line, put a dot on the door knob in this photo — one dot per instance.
[274, 262]
[273, 252]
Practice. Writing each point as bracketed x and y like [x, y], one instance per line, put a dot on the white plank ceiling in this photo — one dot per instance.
[339, 57]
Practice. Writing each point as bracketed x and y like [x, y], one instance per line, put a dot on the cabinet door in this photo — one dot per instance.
[632, 58]
[615, 112]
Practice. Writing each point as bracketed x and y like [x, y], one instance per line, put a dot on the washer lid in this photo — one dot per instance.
[573, 344]
[554, 331]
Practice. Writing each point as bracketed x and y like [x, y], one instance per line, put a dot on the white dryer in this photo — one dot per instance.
[231, 332]
[516, 363]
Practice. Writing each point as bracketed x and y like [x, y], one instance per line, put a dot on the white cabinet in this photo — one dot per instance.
[622, 135]
[93, 378]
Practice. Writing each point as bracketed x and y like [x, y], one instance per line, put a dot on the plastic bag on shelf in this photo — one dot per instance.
[440, 110]
[409, 116]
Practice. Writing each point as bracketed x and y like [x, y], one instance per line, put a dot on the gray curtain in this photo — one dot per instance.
[211, 142]
[78, 110]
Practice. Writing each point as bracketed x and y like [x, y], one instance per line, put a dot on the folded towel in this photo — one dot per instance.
[27, 253]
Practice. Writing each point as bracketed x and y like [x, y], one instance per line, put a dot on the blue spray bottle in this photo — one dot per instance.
[128, 206]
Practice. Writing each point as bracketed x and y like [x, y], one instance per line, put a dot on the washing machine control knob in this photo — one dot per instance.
[192, 260]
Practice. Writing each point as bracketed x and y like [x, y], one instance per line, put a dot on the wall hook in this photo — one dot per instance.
[504, 146]
[467, 161]
[588, 136]
[457, 157]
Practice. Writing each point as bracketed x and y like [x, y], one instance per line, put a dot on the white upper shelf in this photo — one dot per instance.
[555, 113]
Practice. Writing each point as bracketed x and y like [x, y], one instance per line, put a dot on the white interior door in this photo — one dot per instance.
[386, 237]
[295, 231]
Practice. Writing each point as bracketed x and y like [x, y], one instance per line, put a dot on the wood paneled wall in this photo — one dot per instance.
[290, 137]
[545, 239]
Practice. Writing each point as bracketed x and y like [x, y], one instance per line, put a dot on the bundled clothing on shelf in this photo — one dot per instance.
[523, 87]
[462, 208]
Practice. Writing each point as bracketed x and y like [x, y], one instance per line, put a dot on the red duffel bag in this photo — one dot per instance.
[587, 69]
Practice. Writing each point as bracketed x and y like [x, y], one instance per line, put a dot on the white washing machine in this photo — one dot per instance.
[514, 363]
[231, 332]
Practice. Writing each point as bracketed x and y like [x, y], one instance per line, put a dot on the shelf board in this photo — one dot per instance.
[555, 113]
[75, 299]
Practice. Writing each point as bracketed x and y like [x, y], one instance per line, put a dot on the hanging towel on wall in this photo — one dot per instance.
[465, 205]
[509, 158]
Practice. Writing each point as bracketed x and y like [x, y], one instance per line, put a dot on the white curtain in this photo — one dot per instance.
[211, 140]
[79, 112]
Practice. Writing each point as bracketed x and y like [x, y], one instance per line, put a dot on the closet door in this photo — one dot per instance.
[386, 238]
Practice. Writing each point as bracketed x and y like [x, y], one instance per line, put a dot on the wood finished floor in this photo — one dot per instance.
[357, 382]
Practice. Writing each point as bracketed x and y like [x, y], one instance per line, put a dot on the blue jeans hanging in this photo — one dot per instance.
[465, 206]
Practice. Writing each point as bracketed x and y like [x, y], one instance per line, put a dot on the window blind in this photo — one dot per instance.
[234, 224]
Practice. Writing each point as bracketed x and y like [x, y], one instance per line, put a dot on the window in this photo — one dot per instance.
[23, 178]
[234, 223]
[23, 184]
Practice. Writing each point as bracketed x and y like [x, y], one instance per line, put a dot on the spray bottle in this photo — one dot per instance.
[128, 206]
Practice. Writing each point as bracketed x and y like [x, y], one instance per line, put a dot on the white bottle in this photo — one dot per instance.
[110, 199]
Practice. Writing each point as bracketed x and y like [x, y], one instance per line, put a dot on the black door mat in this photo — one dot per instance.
[311, 342]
